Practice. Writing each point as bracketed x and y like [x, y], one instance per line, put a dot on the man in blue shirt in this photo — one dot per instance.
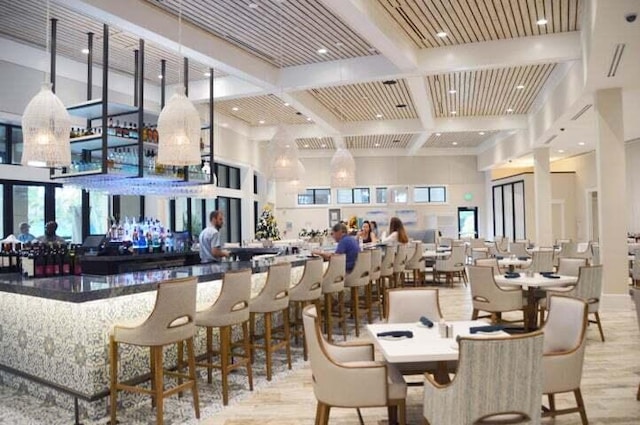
[347, 245]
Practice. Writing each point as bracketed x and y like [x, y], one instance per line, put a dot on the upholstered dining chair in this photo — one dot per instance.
[333, 285]
[564, 345]
[172, 321]
[306, 291]
[570, 266]
[635, 270]
[494, 251]
[636, 298]
[488, 262]
[356, 280]
[408, 305]
[386, 272]
[415, 264]
[374, 295]
[498, 381]
[347, 376]
[587, 254]
[399, 264]
[452, 266]
[446, 242]
[519, 249]
[542, 261]
[231, 308]
[487, 296]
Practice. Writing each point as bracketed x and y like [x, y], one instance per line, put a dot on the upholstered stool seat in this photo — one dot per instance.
[308, 290]
[356, 280]
[333, 285]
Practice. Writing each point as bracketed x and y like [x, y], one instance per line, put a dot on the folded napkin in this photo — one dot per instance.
[425, 321]
[499, 257]
[488, 328]
[523, 258]
[551, 276]
[545, 274]
[512, 275]
[396, 334]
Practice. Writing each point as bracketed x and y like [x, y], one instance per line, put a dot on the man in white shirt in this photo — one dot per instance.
[210, 243]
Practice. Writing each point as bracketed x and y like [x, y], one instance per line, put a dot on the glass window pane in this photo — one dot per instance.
[28, 207]
[130, 207]
[181, 214]
[16, 143]
[508, 212]
[437, 194]
[234, 178]
[306, 198]
[361, 196]
[69, 213]
[234, 220]
[399, 195]
[98, 212]
[323, 196]
[223, 176]
[381, 195]
[345, 196]
[421, 194]
[518, 199]
[196, 217]
[3, 144]
[498, 213]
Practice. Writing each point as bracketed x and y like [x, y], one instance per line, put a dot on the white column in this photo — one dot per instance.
[612, 201]
[488, 190]
[542, 189]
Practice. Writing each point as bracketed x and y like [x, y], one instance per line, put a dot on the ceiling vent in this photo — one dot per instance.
[581, 112]
[550, 139]
[615, 62]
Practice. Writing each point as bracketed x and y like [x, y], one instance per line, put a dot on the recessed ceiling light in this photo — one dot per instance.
[560, 150]
[481, 133]
[378, 115]
[438, 134]
[323, 145]
[286, 103]
[542, 21]
[306, 145]
[224, 124]
[235, 108]
[322, 51]
[339, 44]
[396, 141]
[287, 146]
[452, 91]
[160, 76]
[319, 138]
[581, 143]
[85, 51]
[455, 143]
[253, 5]
[442, 34]
[207, 74]
[262, 122]
[401, 105]
[308, 119]
[377, 145]
[510, 110]
[454, 112]
[372, 50]
[520, 87]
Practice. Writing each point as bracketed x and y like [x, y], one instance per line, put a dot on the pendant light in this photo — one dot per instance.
[296, 186]
[343, 169]
[46, 126]
[179, 124]
[285, 157]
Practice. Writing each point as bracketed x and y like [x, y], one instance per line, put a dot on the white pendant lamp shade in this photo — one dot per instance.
[46, 126]
[297, 186]
[285, 157]
[343, 170]
[179, 132]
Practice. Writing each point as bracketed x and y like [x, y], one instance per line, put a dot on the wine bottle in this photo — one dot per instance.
[50, 261]
[39, 261]
[118, 129]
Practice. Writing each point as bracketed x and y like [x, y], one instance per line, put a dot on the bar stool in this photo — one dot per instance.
[273, 298]
[231, 308]
[415, 263]
[399, 263]
[307, 290]
[386, 274]
[170, 322]
[358, 278]
[333, 283]
[373, 297]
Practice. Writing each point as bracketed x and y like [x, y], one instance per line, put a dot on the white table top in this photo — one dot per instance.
[506, 262]
[536, 281]
[431, 254]
[426, 344]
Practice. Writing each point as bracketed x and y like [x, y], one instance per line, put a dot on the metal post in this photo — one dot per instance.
[140, 104]
[105, 92]
[186, 93]
[163, 72]
[89, 70]
[52, 71]
[211, 126]
[136, 64]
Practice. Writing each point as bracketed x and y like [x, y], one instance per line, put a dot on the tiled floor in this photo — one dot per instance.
[610, 381]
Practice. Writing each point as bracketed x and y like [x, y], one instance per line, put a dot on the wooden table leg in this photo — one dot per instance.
[441, 374]
[532, 310]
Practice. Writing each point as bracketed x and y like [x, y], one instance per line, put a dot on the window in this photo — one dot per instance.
[4, 138]
[315, 197]
[196, 217]
[353, 196]
[255, 184]
[381, 195]
[181, 215]
[232, 229]
[28, 207]
[16, 145]
[399, 195]
[69, 213]
[430, 194]
[98, 212]
[228, 176]
[509, 218]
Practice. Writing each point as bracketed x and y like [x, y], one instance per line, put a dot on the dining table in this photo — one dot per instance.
[435, 254]
[514, 262]
[426, 345]
[533, 285]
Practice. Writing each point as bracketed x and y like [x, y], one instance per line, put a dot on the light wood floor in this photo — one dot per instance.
[610, 380]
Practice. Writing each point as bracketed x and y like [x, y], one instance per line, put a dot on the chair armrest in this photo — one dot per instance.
[350, 352]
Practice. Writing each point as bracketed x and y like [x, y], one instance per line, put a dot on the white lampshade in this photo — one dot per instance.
[46, 126]
[297, 186]
[179, 132]
[343, 170]
[285, 157]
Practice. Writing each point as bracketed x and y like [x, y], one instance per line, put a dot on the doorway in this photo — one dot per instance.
[468, 222]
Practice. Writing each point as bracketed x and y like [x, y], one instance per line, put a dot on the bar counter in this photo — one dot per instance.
[54, 331]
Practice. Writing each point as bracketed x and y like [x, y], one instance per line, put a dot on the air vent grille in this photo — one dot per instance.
[550, 139]
[615, 62]
[581, 112]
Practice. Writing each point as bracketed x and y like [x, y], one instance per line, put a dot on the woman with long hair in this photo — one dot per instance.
[397, 233]
[366, 233]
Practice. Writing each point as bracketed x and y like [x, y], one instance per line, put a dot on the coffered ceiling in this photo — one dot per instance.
[459, 139]
[261, 110]
[379, 141]
[316, 143]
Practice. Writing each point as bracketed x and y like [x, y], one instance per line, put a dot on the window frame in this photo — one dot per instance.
[353, 196]
[429, 189]
[314, 196]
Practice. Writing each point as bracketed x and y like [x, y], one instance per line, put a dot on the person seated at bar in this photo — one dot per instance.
[397, 234]
[366, 233]
[347, 245]
[210, 240]
[50, 234]
[374, 229]
[24, 235]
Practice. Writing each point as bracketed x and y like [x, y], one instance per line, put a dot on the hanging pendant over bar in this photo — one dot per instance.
[179, 132]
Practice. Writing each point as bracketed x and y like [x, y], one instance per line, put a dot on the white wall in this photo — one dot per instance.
[458, 173]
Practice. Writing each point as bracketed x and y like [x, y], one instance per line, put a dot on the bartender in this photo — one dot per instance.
[210, 240]
[50, 234]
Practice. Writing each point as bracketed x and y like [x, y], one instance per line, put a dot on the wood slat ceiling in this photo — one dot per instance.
[364, 101]
[25, 20]
[270, 109]
[379, 141]
[487, 92]
[462, 139]
[315, 143]
[470, 21]
[282, 32]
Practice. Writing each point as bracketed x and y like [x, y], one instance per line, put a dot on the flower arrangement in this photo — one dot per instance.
[312, 233]
[267, 225]
[352, 225]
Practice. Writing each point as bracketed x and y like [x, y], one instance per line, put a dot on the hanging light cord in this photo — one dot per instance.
[180, 39]
[48, 42]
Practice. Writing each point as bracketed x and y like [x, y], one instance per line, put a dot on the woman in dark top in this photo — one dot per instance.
[366, 233]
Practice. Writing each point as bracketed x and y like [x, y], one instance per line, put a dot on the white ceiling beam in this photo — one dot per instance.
[146, 21]
[493, 123]
[421, 100]
[417, 142]
[372, 22]
[224, 88]
[308, 105]
[387, 153]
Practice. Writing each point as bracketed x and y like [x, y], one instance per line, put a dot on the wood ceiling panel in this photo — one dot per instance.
[487, 92]
[283, 33]
[379, 141]
[365, 101]
[459, 139]
[471, 21]
[316, 143]
[261, 110]
[25, 21]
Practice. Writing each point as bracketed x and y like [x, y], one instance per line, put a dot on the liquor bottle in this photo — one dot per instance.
[118, 129]
[111, 131]
[145, 133]
[4, 259]
[50, 261]
[155, 137]
[133, 132]
[39, 261]
[125, 130]
[28, 262]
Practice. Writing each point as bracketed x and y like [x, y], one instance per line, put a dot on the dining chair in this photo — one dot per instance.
[446, 242]
[415, 264]
[488, 262]
[408, 305]
[561, 241]
[374, 295]
[595, 260]
[487, 296]
[588, 288]
[356, 280]
[399, 264]
[519, 249]
[348, 376]
[636, 298]
[498, 381]
[495, 251]
[587, 254]
[333, 285]
[570, 266]
[635, 270]
[542, 261]
[306, 291]
[452, 266]
[564, 345]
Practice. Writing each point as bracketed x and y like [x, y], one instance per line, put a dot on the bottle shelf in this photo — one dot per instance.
[92, 109]
[94, 142]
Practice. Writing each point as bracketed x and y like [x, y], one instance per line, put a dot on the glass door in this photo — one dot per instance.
[468, 222]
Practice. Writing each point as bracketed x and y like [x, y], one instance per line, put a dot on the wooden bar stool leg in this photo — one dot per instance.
[267, 343]
[287, 335]
[252, 336]
[159, 373]
[246, 344]
[191, 359]
[343, 316]
[369, 302]
[113, 355]
[209, 354]
[152, 362]
[180, 364]
[328, 319]
[355, 309]
[225, 351]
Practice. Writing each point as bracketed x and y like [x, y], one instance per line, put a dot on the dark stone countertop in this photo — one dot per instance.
[78, 289]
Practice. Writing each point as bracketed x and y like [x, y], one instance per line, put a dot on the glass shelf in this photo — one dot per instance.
[92, 109]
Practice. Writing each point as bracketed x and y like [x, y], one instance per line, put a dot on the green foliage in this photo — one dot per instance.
[267, 226]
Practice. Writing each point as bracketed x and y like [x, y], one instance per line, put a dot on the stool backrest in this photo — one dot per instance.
[309, 287]
[333, 279]
[400, 259]
[274, 295]
[232, 305]
[359, 276]
[376, 263]
[386, 269]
